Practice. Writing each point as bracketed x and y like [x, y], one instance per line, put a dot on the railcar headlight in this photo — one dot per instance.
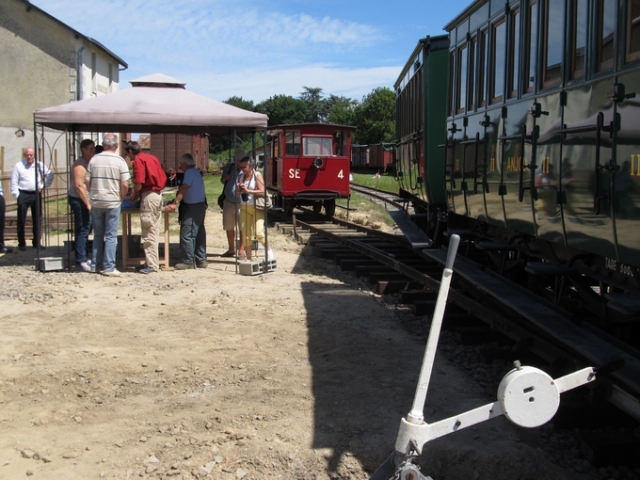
[318, 162]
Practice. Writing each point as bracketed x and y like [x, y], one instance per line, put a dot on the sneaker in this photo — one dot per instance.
[86, 266]
[112, 273]
[183, 266]
[202, 264]
[4, 249]
[270, 255]
[147, 270]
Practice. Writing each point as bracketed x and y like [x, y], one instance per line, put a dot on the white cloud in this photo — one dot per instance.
[260, 85]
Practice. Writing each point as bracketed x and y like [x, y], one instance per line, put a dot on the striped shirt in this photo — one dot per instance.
[106, 171]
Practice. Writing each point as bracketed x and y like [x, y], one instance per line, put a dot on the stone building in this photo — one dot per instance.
[44, 62]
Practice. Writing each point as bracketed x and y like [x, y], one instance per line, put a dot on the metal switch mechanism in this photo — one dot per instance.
[527, 396]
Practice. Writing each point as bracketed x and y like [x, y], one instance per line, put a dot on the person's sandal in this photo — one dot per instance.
[228, 253]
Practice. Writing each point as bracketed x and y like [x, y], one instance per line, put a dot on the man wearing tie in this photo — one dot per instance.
[27, 192]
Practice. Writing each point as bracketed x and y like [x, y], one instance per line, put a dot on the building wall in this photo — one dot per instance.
[169, 147]
[39, 60]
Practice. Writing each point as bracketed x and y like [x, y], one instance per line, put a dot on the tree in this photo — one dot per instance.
[283, 109]
[375, 117]
[241, 103]
[341, 110]
[316, 106]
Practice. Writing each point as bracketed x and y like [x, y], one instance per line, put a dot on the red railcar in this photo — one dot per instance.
[309, 165]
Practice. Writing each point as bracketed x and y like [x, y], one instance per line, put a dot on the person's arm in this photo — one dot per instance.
[136, 192]
[79, 177]
[259, 185]
[124, 189]
[48, 176]
[15, 180]
[181, 191]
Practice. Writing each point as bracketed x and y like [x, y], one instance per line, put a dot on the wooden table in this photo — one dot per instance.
[127, 261]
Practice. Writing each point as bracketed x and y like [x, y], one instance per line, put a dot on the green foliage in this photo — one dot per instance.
[341, 110]
[316, 106]
[375, 117]
[241, 103]
[283, 109]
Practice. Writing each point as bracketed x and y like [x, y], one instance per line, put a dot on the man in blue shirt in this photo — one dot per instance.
[192, 205]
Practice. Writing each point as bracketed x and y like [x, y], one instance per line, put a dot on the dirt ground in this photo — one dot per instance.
[301, 373]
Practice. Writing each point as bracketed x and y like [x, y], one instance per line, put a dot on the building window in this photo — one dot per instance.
[553, 41]
[461, 79]
[514, 43]
[531, 39]
[633, 30]
[605, 31]
[578, 38]
[498, 52]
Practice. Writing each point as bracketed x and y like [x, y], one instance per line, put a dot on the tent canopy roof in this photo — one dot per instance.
[155, 104]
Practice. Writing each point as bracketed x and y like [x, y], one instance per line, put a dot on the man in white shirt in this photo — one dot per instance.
[28, 193]
[107, 180]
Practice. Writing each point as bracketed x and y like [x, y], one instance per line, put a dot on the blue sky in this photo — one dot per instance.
[256, 48]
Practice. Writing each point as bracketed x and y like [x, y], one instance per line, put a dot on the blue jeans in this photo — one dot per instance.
[82, 222]
[105, 237]
[193, 237]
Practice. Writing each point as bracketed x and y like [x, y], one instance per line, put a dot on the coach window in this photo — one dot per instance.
[578, 37]
[498, 51]
[293, 142]
[452, 59]
[633, 30]
[514, 43]
[605, 31]
[482, 67]
[531, 39]
[553, 33]
[461, 81]
[473, 53]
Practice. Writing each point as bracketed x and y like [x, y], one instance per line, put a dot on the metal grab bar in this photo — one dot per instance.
[610, 166]
[523, 140]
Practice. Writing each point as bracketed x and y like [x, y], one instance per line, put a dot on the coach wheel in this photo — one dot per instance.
[330, 207]
[317, 207]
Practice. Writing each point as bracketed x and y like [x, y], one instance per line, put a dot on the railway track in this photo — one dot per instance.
[533, 325]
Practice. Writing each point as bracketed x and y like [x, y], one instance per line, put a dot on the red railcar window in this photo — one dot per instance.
[633, 31]
[317, 146]
[293, 142]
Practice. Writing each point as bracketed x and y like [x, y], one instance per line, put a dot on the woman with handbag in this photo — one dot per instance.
[250, 188]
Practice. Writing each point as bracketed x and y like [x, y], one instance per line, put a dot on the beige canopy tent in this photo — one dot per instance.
[155, 104]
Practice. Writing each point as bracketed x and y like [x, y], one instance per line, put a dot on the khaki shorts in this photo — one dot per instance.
[230, 214]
